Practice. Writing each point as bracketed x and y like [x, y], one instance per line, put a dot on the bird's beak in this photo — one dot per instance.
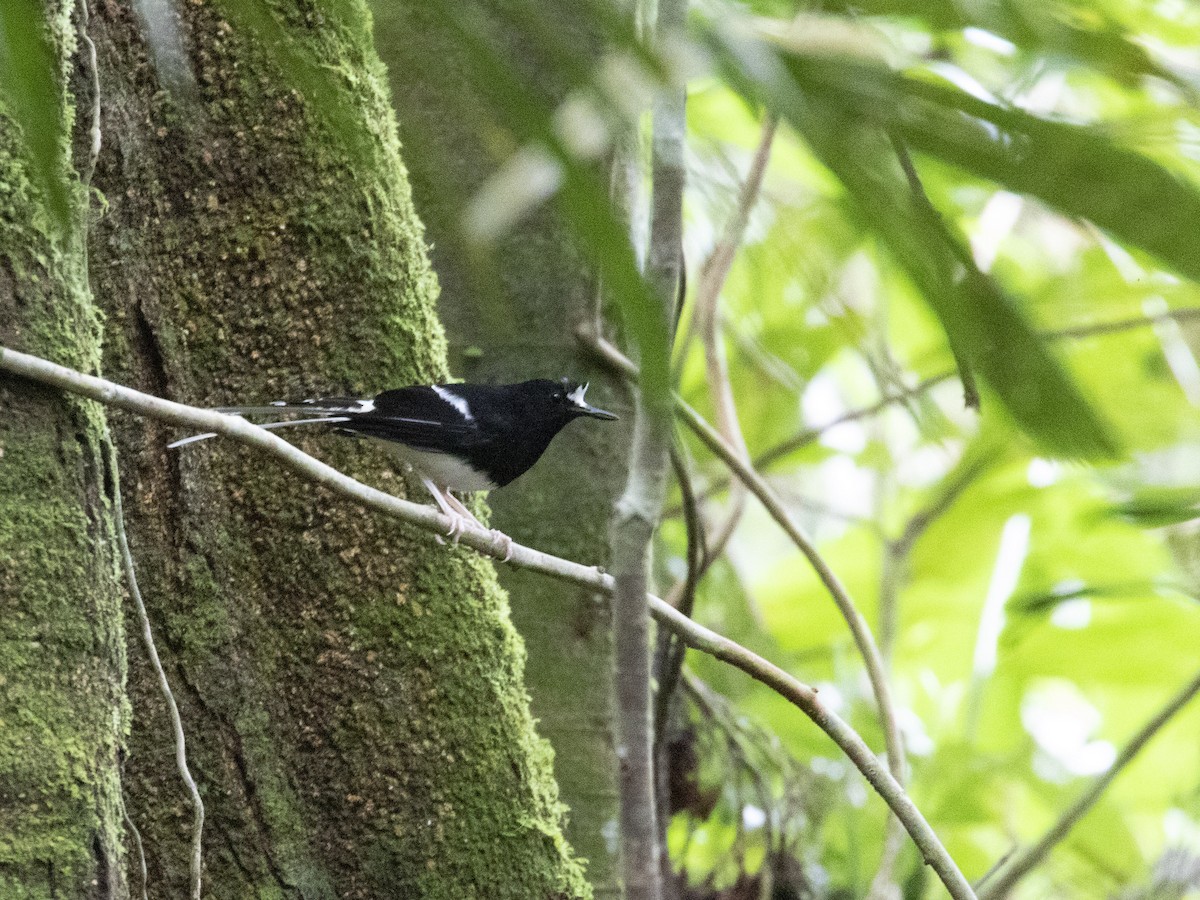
[595, 413]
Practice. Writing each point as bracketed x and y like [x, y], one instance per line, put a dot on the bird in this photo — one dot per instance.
[455, 437]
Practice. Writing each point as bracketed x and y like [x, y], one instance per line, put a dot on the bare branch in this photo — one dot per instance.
[137, 845]
[801, 695]
[745, 473]
[93, 71]
[894, 572]
[639, 509]
[164, 685]
[692, 633]
[1005, 876]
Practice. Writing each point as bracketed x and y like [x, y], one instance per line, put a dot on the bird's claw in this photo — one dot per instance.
[457, 526]
[505, 540]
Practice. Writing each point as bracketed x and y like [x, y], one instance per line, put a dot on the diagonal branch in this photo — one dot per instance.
[802, 439]
[757, 485]
[1005, 876]
[895, 564]
[692, 633]
[181, 763]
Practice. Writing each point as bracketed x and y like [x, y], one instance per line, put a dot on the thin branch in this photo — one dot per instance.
[429, 519]
[894, 569]
[716, 268]
[137, 845]
[94, 71]
[714, 547]
[639, 510]
[859, 629]
[1019, 865]
[748, 755]
[669, 652]
[801, 695]
[896, 551]
[1101, 329]
[713, 276]
[772, 456]
[164, 685]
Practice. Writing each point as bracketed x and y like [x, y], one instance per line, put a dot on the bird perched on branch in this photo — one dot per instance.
[456, 437]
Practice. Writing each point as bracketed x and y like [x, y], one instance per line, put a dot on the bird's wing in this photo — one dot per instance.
[424, 417]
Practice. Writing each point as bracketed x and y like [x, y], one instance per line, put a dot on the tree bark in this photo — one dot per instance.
[518, 321]
[352, 692]
[62, 665]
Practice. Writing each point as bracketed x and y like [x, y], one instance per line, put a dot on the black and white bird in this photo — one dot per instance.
[456, 437]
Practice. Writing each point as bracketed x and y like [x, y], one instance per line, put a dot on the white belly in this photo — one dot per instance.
[442, 469]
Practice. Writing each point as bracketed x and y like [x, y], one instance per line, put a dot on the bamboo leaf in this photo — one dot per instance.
[985, 325]
[1084, 33]
[1077, 169]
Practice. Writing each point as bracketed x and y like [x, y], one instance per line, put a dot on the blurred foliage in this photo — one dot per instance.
[1016, 180]
[1011, 701]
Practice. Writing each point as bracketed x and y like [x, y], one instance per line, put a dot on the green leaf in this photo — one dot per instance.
[985, 326]
[1076, 31]
[29, 91]
[1077, 169]
[1155, 507]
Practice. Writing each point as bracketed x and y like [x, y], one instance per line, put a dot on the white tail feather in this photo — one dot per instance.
[270, 426]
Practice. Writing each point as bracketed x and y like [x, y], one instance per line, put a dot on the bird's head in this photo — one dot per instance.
[566, 397]
[571, 395]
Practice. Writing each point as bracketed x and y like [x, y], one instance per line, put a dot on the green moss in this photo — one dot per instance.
[353, 692]
[62, 711]
[536, 275]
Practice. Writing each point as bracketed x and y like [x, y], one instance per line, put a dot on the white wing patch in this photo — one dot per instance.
[576, 396]
[454, 400]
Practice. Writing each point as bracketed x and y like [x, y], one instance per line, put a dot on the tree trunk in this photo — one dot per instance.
[519, 322]
[62, 666]
[352, 692]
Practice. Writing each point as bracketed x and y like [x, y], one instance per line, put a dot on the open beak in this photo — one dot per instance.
[596, 413]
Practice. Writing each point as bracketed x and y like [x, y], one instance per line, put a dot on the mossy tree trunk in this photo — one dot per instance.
[62, 715]
[518, 321]
[352, 692]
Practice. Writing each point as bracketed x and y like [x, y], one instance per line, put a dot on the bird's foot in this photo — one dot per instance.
[460, 517]
[457, 526]
[505, 541]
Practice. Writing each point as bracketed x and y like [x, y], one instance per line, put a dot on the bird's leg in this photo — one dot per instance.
[463, 510]
[497, 534]
[458, 522]
[460, 517]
